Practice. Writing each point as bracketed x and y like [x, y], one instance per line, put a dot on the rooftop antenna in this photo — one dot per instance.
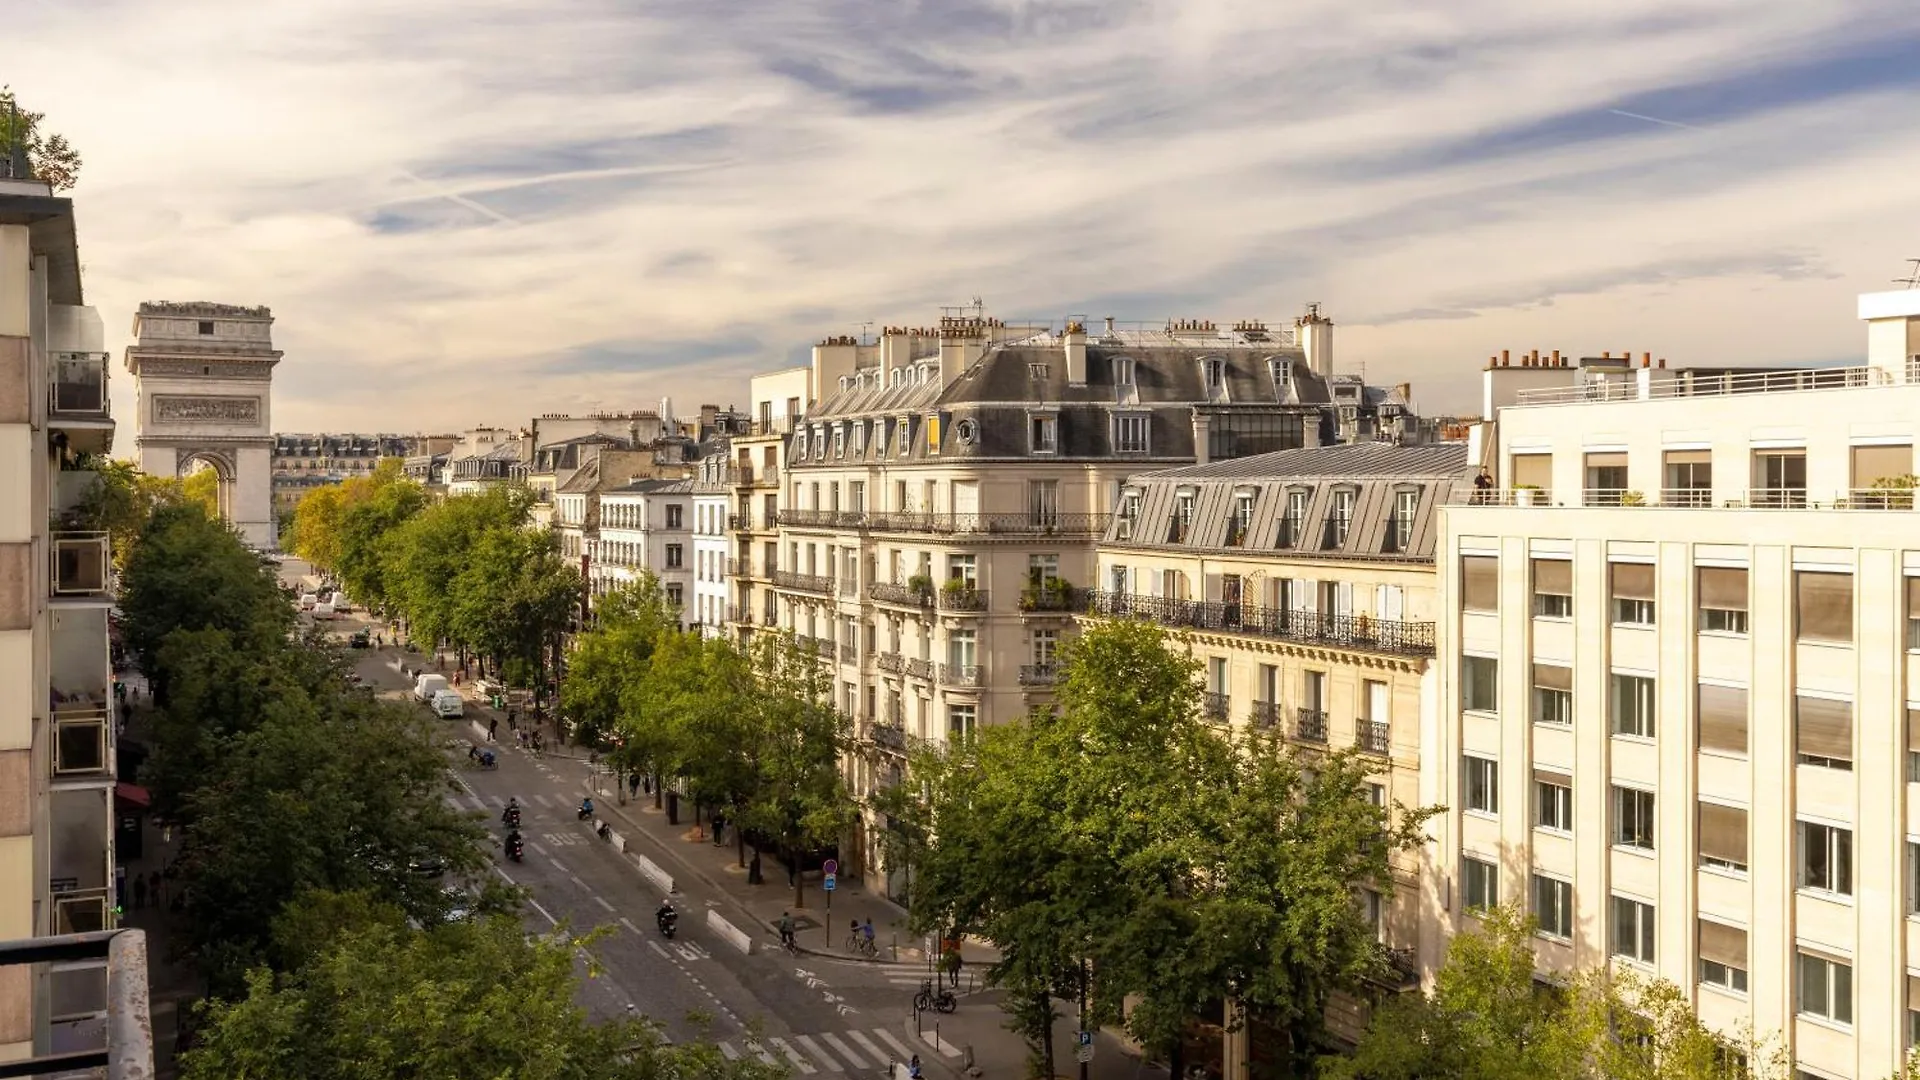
[866, 331]
[1912, 280]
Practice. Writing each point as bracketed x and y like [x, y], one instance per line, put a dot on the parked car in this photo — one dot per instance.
[426, 686]
[308, 601]
[449, 705]
[360, 639]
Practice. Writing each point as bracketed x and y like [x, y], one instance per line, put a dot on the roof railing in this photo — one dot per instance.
[128, 1053]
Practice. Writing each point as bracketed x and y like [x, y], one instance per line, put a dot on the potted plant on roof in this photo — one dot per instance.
[959, 594]
[1525, 494]
[922, 584]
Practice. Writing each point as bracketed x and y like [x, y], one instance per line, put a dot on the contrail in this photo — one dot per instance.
[458, 199]
[1653, 120]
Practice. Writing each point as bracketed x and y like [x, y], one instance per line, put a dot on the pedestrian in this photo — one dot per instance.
[1482, 486]
[633, 785]
[719, 830]
[513, 720]
[493, 728]
[139, 892]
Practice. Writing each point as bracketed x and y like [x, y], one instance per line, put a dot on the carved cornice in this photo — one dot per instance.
[203, 307]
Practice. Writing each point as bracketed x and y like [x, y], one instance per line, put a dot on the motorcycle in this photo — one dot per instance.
[511, 817]
[667, 920]
[516, 848]
[941, 1000]
[585, 811]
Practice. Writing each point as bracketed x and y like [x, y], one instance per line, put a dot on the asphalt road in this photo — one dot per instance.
[816, 1015]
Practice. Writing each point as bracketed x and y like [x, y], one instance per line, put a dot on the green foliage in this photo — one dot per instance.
[390, 500]
[202, 488]
[189, 571]
[603, 696]
[50, 157]
[1488, 1019]
[477, 998]
[798, 796]
[120, 502]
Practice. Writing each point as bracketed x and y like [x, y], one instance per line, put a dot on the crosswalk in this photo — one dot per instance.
[496, 802]
[830, 1051]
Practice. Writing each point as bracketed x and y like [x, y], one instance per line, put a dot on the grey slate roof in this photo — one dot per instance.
[1349, 461]
[653, 487]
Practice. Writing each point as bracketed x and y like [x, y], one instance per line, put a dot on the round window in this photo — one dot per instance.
[964, 431]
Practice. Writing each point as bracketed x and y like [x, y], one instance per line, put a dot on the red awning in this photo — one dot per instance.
[132, 793]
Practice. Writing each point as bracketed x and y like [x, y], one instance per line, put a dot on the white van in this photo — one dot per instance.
[428, 685]
[322, 611]
[308, 600]
[448, 705]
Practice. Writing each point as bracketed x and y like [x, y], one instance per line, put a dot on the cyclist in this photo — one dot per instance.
[786, 929]
[866, 934]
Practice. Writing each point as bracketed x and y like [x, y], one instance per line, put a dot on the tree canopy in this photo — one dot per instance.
[49, 155]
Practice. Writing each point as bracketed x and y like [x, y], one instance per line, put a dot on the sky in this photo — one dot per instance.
[473, 211]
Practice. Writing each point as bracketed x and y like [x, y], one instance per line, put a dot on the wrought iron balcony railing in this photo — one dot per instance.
[1042, 524]
[1312, 726]
[819, 519]
[961, 675]
[1039, 674]
[889, 592]
[1214, 706]
[919, 669]
[1263, 715]
[1372, 737]
[893, 663]
[810, 583]
[849, 654]
[962, 599]
[1360, 632]
[888, 737]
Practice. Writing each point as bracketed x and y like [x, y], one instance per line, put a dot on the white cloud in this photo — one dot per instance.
[481, 210]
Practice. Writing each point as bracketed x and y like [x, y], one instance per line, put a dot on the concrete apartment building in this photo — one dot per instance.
[776, 401]
[1303, 581]
[644, 526]
[1680, 687]
[58, 753]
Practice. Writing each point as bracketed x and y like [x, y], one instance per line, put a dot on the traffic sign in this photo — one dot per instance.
[827, 882]
[1086, 1038]
[830, 867]
[1084, 1054]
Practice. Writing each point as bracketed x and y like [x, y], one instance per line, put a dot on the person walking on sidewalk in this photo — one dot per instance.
[493, 728]
[633, 785]
[786, 929]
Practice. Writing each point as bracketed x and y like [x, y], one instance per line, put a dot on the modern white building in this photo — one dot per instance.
[644, 525]
[712, 494]
[1679, 663]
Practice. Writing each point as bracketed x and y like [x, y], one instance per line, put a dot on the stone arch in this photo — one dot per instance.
[188, 459]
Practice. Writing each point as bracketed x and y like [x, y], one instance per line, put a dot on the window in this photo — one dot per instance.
[1632, 706]
[673, 517]
[1043, 501]
[673, 595]
[1823, 732]
[1723, 599]
[1631, 930]
[1130, 433]
[1123, 371]
[1480, 583]
[960, 719]
[1036, 370]
[1481, 777]
[1480, 882]
[1723, 718]
[673, 556]
[1129, 514]
[1216, 374]
[905, 427]
[1294, 520]
[1552, 694]
[1479, 679]
[206, 329]
[1406, 504]
[1042, 569]
[1826, 857]
[1826, 988]
[1606, 479]
[1723, 955]
[856, 496]
[1553, 906]
[1045, 644]
[1044, 435]
[860, 438]
[1182, 517]
[1553, 588]
[1689, 479]
[1823, 606]
[962, 568]
[1632, 818]
[1780, 478]
[1913, 612]
[1340, 522]
[1242, 518]
[1552, 801]
[1723, 836]
[1632, 593]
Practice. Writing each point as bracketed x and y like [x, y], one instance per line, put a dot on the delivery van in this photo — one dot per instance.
[428, 685]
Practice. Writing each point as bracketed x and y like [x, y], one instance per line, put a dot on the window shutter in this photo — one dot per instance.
[1872, 463]
[1723, 832]
[1549, 776]
[1723, 944]
[1723, 718]
[1535, 469]
[1913, 992]
[1824, 605]
[1480, 583]
[1553, 576]
[1723, 588]
[1632, 581]
[1823, 727]
[1913, 598]
[1606, 461]
[1689, 457]
[1553, 677]
[1913, 730]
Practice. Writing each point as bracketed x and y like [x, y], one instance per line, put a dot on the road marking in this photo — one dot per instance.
[577, 881]
[542, 800]
[458, 780]
[654, 945]
[760, 1052]
[899, 1046]
[799, 1062]
[867, 1045]
[537, 849]
[557, 866]
[845, 1050]
[536, 906]
[824, 1058]
[934, 1039]
[910, 981]
[727, 1050]
[598, 900]
[628, 923]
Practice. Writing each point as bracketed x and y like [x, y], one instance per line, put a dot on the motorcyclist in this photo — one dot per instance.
[666, 916]
[586, 808]
[513, 844]
[511, 815]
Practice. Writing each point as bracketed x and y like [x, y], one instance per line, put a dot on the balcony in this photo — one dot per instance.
[1039, 674]
[80, 565]
[740, 568]
[849, 588]
[1263, 715]
[1372, 737]
[807, 583]
[890, 592]
[119, 1043]
[849, 654]
[891, 663]
[960, 596]
[739, 523]
[1764, 498]
[889, 737]
[1059, 597]
[1358, 632]
[919, 669]
[990, 524]
[821, 519]
[82, 747]
[77, 388]
[962, 675]
[1214, 706]
[1311, 726]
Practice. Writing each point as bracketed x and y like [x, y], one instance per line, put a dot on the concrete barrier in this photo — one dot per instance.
[728, 932]
[651, 870]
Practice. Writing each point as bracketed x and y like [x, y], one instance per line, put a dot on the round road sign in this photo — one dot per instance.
[830, 867]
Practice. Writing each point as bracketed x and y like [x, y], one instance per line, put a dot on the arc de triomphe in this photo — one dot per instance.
[203, 380]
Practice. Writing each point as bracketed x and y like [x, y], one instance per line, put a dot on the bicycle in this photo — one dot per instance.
[788, 943]
[941, 1000]
[859, 943]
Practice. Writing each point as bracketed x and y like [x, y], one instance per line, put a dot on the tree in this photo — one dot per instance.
[469, 998]
[609, 663]
[799, 798]
[513, 597]
[202, 488]
[390, 500]
[316, 526]
[120, 502]
[425, 557]
[189, 571]
[48, 154]
[696, 708]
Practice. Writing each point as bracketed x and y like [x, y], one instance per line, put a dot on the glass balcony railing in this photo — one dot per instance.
[80, 742]
[77, 386]
[80, 562]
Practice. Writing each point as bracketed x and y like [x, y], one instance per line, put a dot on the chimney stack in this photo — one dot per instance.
[1505, 359]
[1314, 332]
[1075, 340]
[1109, 326]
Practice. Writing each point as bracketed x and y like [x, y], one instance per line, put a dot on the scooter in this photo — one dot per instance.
[667, 919]
[585, 811]
[516, 848]
[511, 817]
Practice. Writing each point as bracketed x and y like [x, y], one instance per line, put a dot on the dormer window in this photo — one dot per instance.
[860, 438]
[1123, 371]
[1182, 523]
[1242, 519]
[1129, 513]
[1036, 371]
[840, 440]
[1043, 432]
[1406, 505]
[1214, 369]
[1294, 521]
[906, 435]
[1130, 433]
[1340, 520]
